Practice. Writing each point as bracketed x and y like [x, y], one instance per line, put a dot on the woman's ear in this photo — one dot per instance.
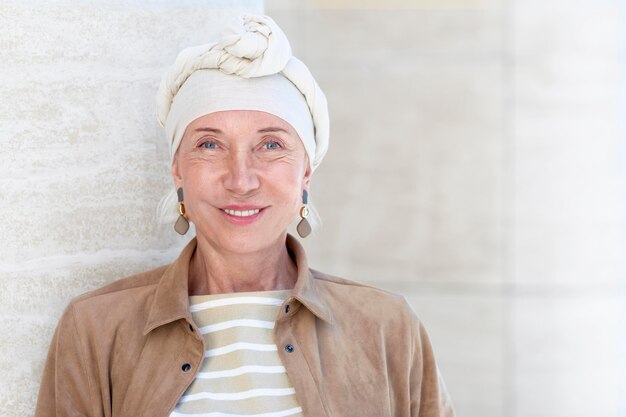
[306, 180]
[176, 174]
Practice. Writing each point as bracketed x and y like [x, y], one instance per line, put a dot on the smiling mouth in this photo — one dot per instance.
[242, 213]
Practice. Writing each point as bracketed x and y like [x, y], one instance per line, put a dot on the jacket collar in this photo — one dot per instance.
[307, 289]
[171, 300]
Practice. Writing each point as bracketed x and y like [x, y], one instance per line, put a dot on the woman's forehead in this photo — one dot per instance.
[234, 121]
[241, 118]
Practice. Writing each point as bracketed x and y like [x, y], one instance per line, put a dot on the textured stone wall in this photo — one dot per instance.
[83, 161]
[477, 165]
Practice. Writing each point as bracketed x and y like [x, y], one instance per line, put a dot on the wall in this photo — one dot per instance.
[474, 167]
[83, 161]
[477, 166]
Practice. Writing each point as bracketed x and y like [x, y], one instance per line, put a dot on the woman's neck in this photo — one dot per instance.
[215, 272]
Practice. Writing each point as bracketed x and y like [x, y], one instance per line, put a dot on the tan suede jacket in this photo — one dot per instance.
[130, 349]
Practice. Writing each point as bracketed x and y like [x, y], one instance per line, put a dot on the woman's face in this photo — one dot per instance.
[242, 174]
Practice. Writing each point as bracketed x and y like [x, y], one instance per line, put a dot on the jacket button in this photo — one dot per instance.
[186, 367]
[289, 348]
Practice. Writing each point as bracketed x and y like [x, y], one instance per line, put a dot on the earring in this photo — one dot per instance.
[304, 227]
[182, 225]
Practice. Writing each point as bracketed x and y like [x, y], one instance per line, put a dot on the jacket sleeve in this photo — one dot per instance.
[65, 386]
[429, 396]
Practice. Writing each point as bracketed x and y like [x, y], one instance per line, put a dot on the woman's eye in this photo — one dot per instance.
[209, 145]
[271, 145]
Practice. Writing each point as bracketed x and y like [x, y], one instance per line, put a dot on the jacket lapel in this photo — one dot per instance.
[158, 379]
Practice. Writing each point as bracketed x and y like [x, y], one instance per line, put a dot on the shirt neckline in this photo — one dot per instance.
[282, 294]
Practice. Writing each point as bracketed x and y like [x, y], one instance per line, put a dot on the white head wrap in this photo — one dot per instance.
[249, 68]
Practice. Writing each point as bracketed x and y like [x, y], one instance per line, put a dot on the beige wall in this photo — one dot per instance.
[477, 166]
[473, 167]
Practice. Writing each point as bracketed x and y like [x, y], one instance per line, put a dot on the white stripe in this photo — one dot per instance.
[240, 346]
[234, 396]
[236, 300]
[283, 413]
[261, 324]
[249, 369]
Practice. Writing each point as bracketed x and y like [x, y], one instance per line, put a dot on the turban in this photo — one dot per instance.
[250, 67]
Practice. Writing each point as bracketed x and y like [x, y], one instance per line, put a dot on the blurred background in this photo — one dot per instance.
[477, 166]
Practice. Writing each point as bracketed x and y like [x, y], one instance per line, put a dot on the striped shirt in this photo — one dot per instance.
[242, 374]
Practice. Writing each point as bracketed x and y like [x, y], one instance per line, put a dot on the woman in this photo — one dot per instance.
[239, 324]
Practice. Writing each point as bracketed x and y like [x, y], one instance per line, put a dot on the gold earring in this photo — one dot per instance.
[304, 227]
[182, 224]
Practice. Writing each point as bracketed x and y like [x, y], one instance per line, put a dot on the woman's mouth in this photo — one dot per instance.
[242, 213]
[243, 217]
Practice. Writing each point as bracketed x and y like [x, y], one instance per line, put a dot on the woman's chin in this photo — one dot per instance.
[238, 241]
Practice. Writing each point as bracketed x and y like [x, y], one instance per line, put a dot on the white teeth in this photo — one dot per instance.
[244, 213]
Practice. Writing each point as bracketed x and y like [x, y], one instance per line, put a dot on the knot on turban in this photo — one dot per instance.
[253, 47]
[257, 48]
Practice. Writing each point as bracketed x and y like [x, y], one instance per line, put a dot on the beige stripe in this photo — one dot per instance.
[217, 315]
[240, 358]
[235, 301]
[242, 370]
[239, 383]
[235, 396]
[223, 325]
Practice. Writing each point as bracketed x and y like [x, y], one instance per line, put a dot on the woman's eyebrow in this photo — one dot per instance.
[271, 129]
[208, 129]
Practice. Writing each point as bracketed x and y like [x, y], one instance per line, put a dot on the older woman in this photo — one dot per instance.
[239, 325]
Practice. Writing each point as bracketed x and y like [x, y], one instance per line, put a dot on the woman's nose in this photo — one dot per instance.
[241, 177]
